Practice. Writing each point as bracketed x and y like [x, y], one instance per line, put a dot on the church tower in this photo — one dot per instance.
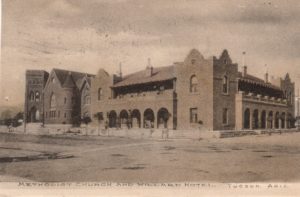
[34, 101]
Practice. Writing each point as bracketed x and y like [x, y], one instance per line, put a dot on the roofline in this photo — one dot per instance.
[48, 80]
[72, 71]
[116, 86]
[270, 85]
[144, 69]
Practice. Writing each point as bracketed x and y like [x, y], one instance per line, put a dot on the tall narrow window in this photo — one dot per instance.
[193, 115]
[100, 94]
[37, 96]
[52, 101]
[225, 84]
[87, 99]
[65, 100]
[31, 96]
[225, 116]
[290, 97]
[193, 84]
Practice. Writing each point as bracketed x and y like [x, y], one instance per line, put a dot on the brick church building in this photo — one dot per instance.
[211, 91]
[57, 98]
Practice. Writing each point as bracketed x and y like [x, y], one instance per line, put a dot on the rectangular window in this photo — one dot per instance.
[225, 85]
[193, 115]
[65, 115]
[46, 114]
[225, 116]
[58, 114]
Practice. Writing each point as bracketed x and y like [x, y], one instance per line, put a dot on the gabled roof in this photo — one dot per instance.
[69, 82]
[84, 81]
[75, 78]
[253, 79]
[141, 77]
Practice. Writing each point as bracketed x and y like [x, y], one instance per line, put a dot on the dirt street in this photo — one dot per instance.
[260, 158]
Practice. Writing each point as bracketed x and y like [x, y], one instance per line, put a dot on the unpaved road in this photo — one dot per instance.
[262, 158]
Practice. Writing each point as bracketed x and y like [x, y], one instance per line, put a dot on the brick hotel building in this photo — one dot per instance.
[177, 96]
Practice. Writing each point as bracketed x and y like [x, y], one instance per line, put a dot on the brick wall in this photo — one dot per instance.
[202, 99]
[223, 66]
[35, 82]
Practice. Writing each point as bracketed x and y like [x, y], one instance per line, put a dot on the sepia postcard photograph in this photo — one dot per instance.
[150, 98]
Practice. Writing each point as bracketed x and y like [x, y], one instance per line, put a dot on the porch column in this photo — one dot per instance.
[155, 120]
[259, 120]
[251, 119]
[280, 123]
[142, 119]
[266, 120]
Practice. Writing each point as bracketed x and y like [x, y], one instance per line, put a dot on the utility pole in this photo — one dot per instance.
[244, 58]
[25, 104]
[120, 69]
[43, 106]
[298, 109]
[298, 104]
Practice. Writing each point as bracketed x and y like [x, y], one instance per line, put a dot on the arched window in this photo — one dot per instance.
[100, 94]
[225, 84]
[37, 96]
[31, 96]
[87, 99]
[52, 101]
[193, 84]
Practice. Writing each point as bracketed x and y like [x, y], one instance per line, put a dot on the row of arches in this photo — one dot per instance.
[136, 119]
[257, 119]
[34, 96]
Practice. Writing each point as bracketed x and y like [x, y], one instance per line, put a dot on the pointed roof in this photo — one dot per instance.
[69, 78]
[85, 80]
[287, 76]
[69, 82]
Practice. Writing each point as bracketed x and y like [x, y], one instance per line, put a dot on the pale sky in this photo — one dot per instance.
[87, 35]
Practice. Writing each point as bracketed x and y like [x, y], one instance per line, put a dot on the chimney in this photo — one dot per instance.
[244, 71]
[120, 67]
[149, 68]
[267, 77]
[267, 74]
